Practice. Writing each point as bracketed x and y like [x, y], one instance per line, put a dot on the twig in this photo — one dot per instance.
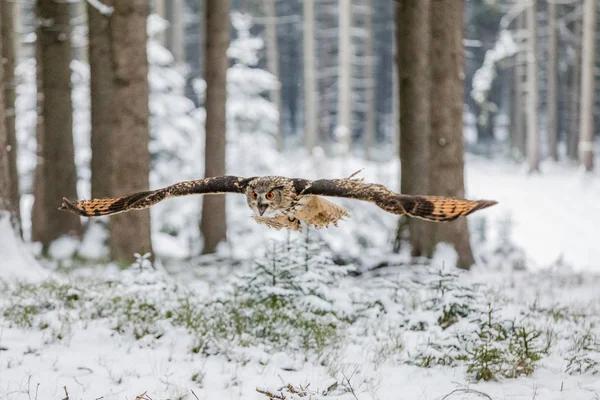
[195, 395]
[271, 395]
[66, 393]
[478, 393]
[349, 384]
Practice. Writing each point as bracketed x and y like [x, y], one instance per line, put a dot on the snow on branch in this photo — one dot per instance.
[485, 75]
[101, 7]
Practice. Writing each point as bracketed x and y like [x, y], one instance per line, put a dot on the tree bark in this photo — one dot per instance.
[102, 112]
[519, 127]
[273, 63]
[130, 158]
[174, 10]
[533, 137]
[413, 40]
[344, 110]
[586, 136]
[447, 103]
[59, 172]
[5, 184]
[552, 101]
[370, 79]
[38, 217]
[310, 77]
[214, 222]
[8, 12]
[575, 96]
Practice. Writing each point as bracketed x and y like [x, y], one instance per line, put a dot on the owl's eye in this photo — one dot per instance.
[254, 195]
[270, 196]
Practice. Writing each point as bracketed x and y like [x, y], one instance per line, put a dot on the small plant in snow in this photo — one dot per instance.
[500, 348]
[445, 299]
[286, 302]
[584, 356]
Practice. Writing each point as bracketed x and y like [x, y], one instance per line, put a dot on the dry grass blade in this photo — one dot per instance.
[271, 395]
[476, 392]
[143, 396]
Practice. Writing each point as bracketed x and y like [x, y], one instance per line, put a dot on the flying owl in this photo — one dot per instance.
[281, 202]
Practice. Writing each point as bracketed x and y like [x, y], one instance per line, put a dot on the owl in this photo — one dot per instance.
[288, 203]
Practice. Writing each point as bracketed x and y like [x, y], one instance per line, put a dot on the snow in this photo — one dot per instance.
[101, 7]
[17, 261]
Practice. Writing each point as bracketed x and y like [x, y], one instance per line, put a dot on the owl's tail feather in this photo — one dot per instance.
[442, 209]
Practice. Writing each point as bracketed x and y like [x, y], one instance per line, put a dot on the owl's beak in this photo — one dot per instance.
[262, 208]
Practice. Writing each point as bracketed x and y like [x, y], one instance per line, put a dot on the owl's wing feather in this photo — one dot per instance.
[431, 208]
[141, 200]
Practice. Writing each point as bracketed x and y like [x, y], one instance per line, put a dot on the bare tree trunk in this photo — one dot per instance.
[344, 111]
[5, 183]
[552, 82]
[575, 96]
[310, 77]
[39, 225]
[371, 114]
[102, 112]
[533, 138]
[130, 158]
[273, 63]
[414, 73]
[586, 136]
[60, 175]
[214, 221]
[176, 31]
[520, 74]
[8, 12]
[447, 103]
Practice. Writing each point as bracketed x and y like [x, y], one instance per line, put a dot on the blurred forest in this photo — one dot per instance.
[100, 96]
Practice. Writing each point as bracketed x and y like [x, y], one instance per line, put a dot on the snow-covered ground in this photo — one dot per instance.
[72, 336]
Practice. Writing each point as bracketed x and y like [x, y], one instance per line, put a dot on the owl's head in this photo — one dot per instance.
[265, 198]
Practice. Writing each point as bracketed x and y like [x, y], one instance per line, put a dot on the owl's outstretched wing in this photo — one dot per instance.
[431, 208]
[141, 200]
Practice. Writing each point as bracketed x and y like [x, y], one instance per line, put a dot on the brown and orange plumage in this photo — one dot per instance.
[281, 202]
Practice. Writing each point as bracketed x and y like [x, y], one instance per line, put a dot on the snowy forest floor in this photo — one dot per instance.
[330, 313]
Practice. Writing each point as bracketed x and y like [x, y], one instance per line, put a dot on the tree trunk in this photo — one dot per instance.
[533, 138]
[39, 225]
[310, 77]
[214, 221]
[176, 31]
[370, 81]
[575, 96]
[130, 158]
[552, 83]
[413, 40]
[102, 112]
[8, 12]
[344, 110]
[60, 175]
[273, 63]
[520, 74]
[5, 176]
[447, 103]
[586, 136]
